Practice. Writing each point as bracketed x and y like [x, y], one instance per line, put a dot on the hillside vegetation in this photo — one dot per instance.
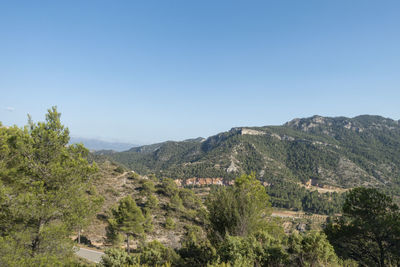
[52, 193]
[337, 152]
[168, 210]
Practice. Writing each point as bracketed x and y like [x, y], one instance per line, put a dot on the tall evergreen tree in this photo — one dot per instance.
[46, 183]
[129, 218]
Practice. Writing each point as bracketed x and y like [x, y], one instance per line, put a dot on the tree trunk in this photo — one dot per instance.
[36, 241]
[382, 256]
[79, 235]
[127, 243]
[35, 245]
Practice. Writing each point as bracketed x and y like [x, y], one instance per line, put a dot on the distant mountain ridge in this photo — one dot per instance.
[96, 144]
[334, 151]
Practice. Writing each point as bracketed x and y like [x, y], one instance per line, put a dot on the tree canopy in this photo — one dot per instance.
[240, 209]
[129, 218]
[368, 230]
[44, 185]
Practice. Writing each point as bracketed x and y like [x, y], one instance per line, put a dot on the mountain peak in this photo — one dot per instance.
[305, 124]
[331, 124]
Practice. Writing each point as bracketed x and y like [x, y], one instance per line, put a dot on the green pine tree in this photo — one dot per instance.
[129, 218]
[44, 187]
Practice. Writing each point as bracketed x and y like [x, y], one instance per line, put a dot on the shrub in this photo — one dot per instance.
[169, 223]
[152, 202]
[189, 199]
[117, 257]
[147, 187]
[196, 250]
[155, 253]
[175, 203]
[168, 187]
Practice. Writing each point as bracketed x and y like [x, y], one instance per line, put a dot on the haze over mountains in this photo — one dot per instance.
[96, 144]
[332, 151]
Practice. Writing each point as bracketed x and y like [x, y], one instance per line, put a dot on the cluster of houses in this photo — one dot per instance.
[202, 182]
[206, 182]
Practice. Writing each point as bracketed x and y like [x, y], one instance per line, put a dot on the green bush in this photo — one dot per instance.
[196, 250]
[148, 223]
[152, 202]
[168, 187]
[169, 223]
[155, 253]
[175, 203]
[311, 249]
[189, 199]
[147, 187]
[117, 257]
[113, 236]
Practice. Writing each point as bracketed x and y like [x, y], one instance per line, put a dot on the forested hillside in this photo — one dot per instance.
[341, 152]
[54, 195]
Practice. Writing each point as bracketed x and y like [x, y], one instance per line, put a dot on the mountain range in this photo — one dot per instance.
[96, 144]
[329, 151]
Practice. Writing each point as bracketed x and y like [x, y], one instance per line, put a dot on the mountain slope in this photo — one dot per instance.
[339, 151]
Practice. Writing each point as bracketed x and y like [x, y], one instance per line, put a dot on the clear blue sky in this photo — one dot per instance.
[148, 71]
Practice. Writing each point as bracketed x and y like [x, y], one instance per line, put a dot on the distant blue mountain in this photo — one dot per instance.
[95, 144]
